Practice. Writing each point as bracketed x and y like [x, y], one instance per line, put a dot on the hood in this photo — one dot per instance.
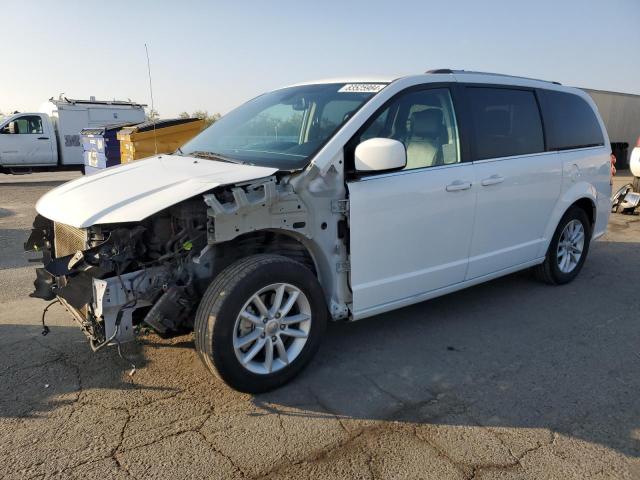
[132, 192]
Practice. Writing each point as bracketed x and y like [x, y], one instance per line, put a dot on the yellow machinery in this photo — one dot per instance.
[143, 140]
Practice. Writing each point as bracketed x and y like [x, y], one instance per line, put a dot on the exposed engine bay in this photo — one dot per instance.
[114, 277]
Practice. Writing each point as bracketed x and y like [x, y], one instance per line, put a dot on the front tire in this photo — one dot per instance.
[568, 249]
[260, 322]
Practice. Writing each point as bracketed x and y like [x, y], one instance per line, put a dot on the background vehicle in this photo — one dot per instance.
[341, 200]
[51, 138]
[634, 166]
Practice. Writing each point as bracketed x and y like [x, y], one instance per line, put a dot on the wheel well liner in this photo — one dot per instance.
[589, 208]
[264, 241]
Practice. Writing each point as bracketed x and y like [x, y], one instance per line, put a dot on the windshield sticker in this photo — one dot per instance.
[362, 87]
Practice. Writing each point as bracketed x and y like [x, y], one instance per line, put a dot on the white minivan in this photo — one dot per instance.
[334, 200]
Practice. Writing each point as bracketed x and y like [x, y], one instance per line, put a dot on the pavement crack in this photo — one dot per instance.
[538, 446]
[216, 450]
[196, 429]
[14, 369]
[370, 466]
[461, 467]
[122, 431]
[385, 391]
[326, 408]
[317, 455]
[124, 468]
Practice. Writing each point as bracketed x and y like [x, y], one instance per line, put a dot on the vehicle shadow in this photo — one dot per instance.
[40, 374]
[510, 353]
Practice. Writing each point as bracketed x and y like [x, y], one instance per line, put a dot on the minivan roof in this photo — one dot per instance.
[459, 75]
[490, 74]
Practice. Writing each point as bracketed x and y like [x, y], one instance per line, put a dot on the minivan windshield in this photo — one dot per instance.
[284, 128]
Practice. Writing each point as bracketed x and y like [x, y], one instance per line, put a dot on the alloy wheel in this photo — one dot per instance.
[570, 246]
[272, 328]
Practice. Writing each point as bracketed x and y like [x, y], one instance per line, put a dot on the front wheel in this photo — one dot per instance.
[260, 322]
[568, 249]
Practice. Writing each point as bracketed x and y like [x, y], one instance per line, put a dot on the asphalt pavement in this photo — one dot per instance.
[512, 379]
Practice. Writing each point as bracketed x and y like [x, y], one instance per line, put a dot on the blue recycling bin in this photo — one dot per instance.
[101, 147]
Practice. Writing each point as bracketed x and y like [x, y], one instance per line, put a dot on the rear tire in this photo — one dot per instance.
[636, 184]
[560, 265]
[247, 302]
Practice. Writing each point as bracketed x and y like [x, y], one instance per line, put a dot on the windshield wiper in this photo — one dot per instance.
[214, 156]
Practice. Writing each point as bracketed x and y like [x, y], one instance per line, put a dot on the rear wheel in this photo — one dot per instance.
[260, 322]
[568, 249]
[636, 184]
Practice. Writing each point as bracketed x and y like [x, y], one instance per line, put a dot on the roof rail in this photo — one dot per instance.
[74, 101]
[448, 70]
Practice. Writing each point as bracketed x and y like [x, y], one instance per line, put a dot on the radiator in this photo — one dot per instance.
[67, 240]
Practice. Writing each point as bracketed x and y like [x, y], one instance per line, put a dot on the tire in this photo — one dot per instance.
[636, 184]
[551, 271]
[218, 324]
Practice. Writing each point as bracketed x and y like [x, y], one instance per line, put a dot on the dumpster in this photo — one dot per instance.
[139, 141]
[101, 147]
[621, 152]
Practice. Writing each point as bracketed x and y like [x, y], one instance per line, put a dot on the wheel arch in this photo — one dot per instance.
[273, 241]
[583, 195]
[589, 207]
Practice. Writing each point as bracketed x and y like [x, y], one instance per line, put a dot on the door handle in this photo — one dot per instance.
[43, 138]
[492, 180]
[457, 186]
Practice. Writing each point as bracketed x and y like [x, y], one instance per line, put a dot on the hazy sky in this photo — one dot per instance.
[214, 55]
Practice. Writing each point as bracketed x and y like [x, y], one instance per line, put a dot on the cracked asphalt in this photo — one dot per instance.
[512, 379]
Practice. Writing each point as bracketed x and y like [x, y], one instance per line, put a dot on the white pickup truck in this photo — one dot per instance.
[51, 137]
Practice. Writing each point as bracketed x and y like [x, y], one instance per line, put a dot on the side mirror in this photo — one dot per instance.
[377, 154]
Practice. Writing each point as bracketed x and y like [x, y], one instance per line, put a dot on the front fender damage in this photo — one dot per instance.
[258, 206]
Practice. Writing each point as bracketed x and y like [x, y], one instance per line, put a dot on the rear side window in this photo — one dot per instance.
[569, 121]
[506, 122]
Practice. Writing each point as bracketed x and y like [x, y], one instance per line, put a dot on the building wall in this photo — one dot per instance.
[621, 115]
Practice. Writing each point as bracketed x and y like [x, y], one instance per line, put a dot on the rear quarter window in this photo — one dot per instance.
[569, 121]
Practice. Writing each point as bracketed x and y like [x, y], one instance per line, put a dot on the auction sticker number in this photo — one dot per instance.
[362, 87]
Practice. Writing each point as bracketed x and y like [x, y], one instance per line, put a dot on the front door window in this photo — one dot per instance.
[28, 124]
[424, 121]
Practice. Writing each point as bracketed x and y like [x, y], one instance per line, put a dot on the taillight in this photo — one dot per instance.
[638, 142]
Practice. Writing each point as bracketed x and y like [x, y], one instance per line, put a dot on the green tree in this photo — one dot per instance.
[204, 115]
[153, 115]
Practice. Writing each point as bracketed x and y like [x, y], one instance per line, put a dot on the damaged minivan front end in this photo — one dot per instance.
[114, 278]
[120, 272]
[238, 237]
